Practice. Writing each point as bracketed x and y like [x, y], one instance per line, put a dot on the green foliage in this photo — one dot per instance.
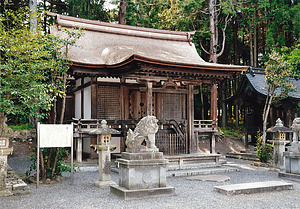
[49, 158]
[292, 55]
[263, 151]
[279, 74]
[21, 127]
[31, 65]
[232, 132]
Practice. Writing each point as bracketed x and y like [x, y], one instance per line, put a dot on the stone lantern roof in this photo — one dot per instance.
[104, 130]
[279, 127]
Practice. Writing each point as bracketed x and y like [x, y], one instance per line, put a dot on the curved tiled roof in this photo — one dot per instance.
[107, 45]
[256, 83]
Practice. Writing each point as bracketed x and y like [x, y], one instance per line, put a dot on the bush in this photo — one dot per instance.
[263, 152]
[21, 127]
[49, 154]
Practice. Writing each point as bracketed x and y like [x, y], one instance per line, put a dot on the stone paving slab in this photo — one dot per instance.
[255, 187]
[212, 178]
[203, 171]
[289, 176]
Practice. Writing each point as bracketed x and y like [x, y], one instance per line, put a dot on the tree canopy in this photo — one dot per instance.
[31, 65]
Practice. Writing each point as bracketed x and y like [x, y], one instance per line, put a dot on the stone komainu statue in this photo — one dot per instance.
[296, 129]
[145, 130]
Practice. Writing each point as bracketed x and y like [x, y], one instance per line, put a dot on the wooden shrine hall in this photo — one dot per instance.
[124, 73]
[251, 95]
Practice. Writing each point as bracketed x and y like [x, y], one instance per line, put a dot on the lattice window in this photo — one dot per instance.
[109, 102]
[173, 106]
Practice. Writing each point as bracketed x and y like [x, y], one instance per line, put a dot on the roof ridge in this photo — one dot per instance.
[95, 25]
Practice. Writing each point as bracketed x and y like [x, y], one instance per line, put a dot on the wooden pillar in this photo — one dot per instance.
[213, 114]
[193, 148]
[213, 102]
[149, 86]
[213, 144]
[82, 98]
[79, 149]
[94, 98]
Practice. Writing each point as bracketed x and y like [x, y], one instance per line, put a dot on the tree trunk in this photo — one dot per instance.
[122, 11]
[63, 105]
[33, 15]
[235, 42]
[62, 114]
[55, 161]
[43, 170]
[2, 123]
[254, 41]
[213, 41]
[251, 48]
[266, 112]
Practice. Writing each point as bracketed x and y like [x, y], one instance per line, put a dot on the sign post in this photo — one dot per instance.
[54, 135]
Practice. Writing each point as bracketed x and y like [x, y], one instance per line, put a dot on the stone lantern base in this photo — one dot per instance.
[4, 152]
[142, 175]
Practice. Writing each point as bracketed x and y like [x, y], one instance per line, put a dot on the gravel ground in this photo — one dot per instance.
[189, 194]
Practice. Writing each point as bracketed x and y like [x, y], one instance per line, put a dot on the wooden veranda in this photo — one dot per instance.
[124, 73]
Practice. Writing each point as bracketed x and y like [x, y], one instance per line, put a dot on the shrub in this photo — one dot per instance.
[263, 152]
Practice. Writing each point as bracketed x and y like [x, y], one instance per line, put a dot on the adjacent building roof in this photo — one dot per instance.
[253, 83]
[110, 48]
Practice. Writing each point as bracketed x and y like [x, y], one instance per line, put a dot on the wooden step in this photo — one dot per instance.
[254, 187]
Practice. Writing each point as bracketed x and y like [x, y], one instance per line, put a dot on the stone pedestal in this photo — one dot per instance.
[292, 159]
[142, 175]
[4, 152]
[292, 162]
[104, 162]
[279, 149]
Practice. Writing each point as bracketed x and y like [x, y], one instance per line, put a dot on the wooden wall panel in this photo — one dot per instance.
[109, 102]
[173, 106]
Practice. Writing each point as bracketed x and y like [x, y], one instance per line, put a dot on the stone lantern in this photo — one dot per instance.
[103, 148]
[279, 135]
[292, 155]
[5, 150]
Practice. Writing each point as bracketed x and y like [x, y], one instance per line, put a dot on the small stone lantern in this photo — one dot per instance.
[103, 148]
[5, 150]
[279, 135]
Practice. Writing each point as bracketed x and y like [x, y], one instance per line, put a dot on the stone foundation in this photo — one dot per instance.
[142, 175]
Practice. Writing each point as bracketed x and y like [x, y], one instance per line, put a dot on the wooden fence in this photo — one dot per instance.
[171, 143]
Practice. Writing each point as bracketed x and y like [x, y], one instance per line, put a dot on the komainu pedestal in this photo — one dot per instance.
[142, 175]
[142, 169]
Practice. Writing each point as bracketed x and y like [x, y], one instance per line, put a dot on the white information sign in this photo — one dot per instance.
[54, 135]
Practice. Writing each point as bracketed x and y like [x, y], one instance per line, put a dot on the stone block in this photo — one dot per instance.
[141, 193]
[142, 156]
[142, 175]
[5, 193]
[145, 172]
[19, 186]
[255, 187]
[104, 184]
